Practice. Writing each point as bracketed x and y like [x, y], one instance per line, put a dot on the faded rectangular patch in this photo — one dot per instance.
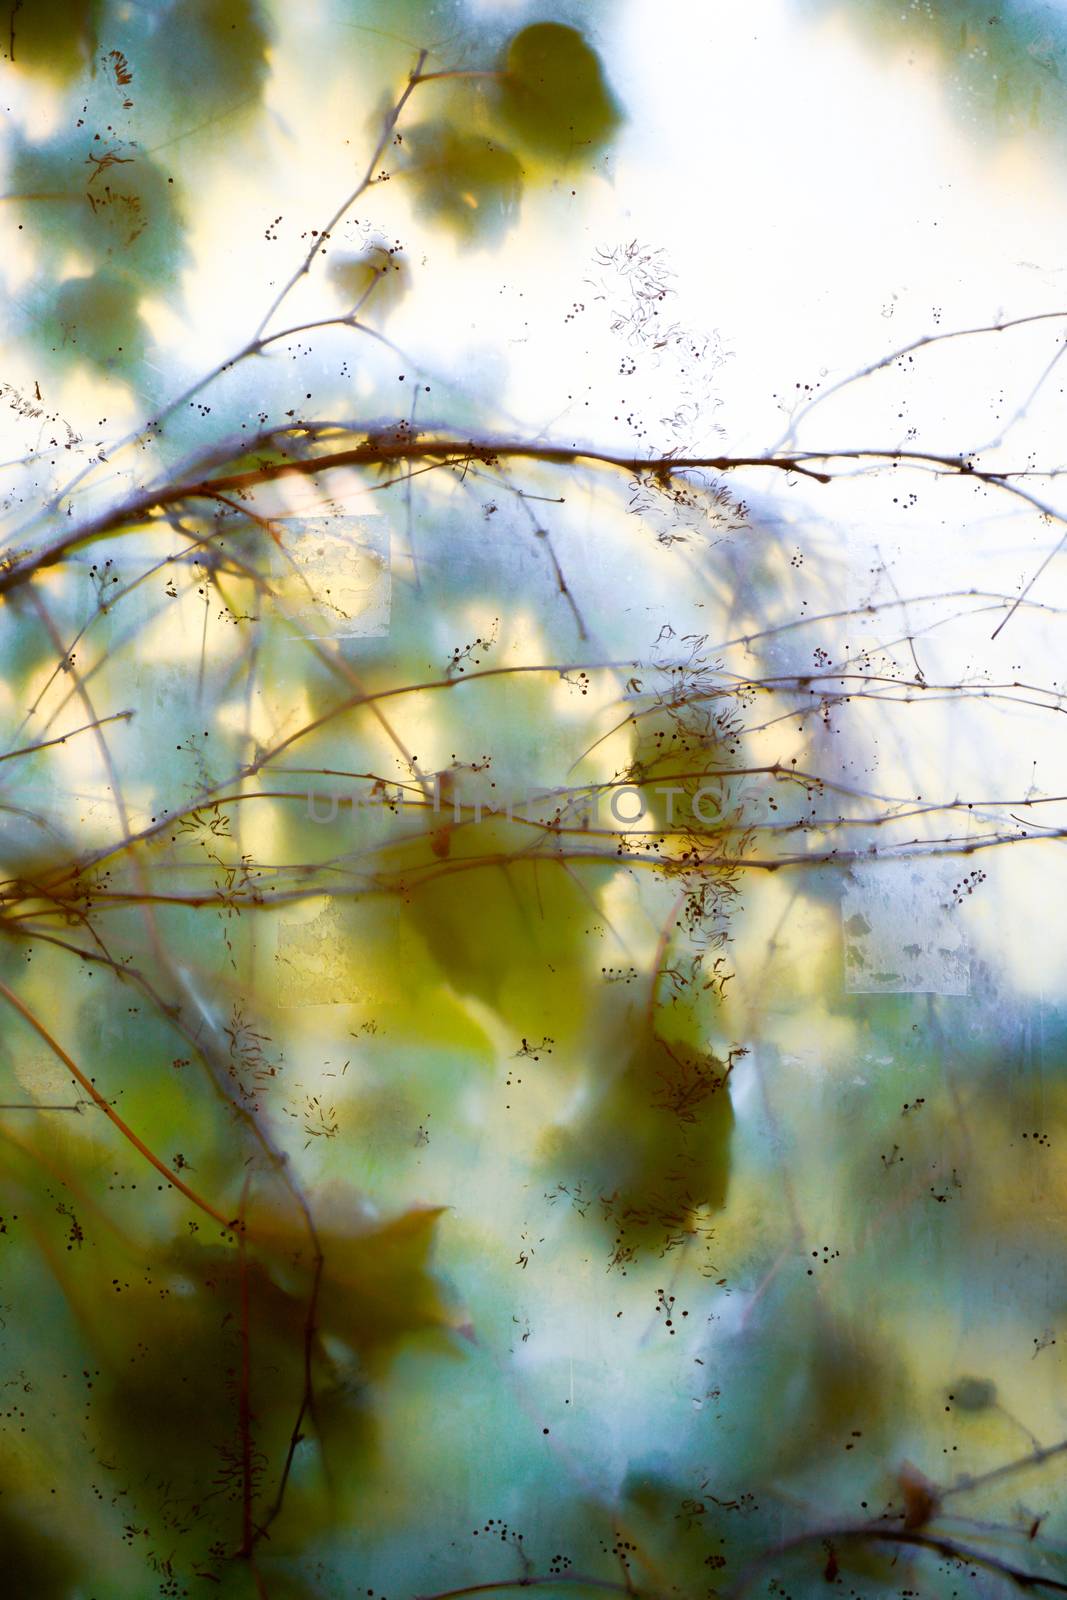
[313, 965]
[333, 575]
[901, 936]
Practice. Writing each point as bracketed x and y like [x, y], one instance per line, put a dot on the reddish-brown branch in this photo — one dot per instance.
[938, 1544]
[307, 1398]
[572, 1580]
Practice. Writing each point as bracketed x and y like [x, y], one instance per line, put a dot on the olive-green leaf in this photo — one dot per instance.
[222, 47]
[36, 1561]
[96, 319]
[372, 282]
[53, 37]
[103, 197]
[466, 181]
[553, 95]
[655, 1142]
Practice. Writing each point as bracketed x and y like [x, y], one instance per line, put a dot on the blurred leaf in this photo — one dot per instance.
[810, 1385]
[96, 319]
[465, 181]
[373, 282]
[512, 933]
[222, 46]
[25, 646]
[553, 94]
[174, 1349]
[53, 37]
[655, 1140]
[376, 1285]
[376, 1280]
[105, 199]
[36, 1562]
[973, 1394]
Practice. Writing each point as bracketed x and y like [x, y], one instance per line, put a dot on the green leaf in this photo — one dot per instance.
[511, 932]
[35, 1560]
[95, 319]
[973, 1394]
[808, 1381]
[465, 181]
[104, 198]
[553, 94]
[377, 1285]
[374, 282]
[222, 47]
[54, 37]
[655, 1142]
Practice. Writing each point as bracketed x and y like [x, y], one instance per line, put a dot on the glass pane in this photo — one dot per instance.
[531, 604]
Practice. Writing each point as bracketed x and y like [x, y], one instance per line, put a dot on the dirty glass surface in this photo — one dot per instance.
[533, 1039]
